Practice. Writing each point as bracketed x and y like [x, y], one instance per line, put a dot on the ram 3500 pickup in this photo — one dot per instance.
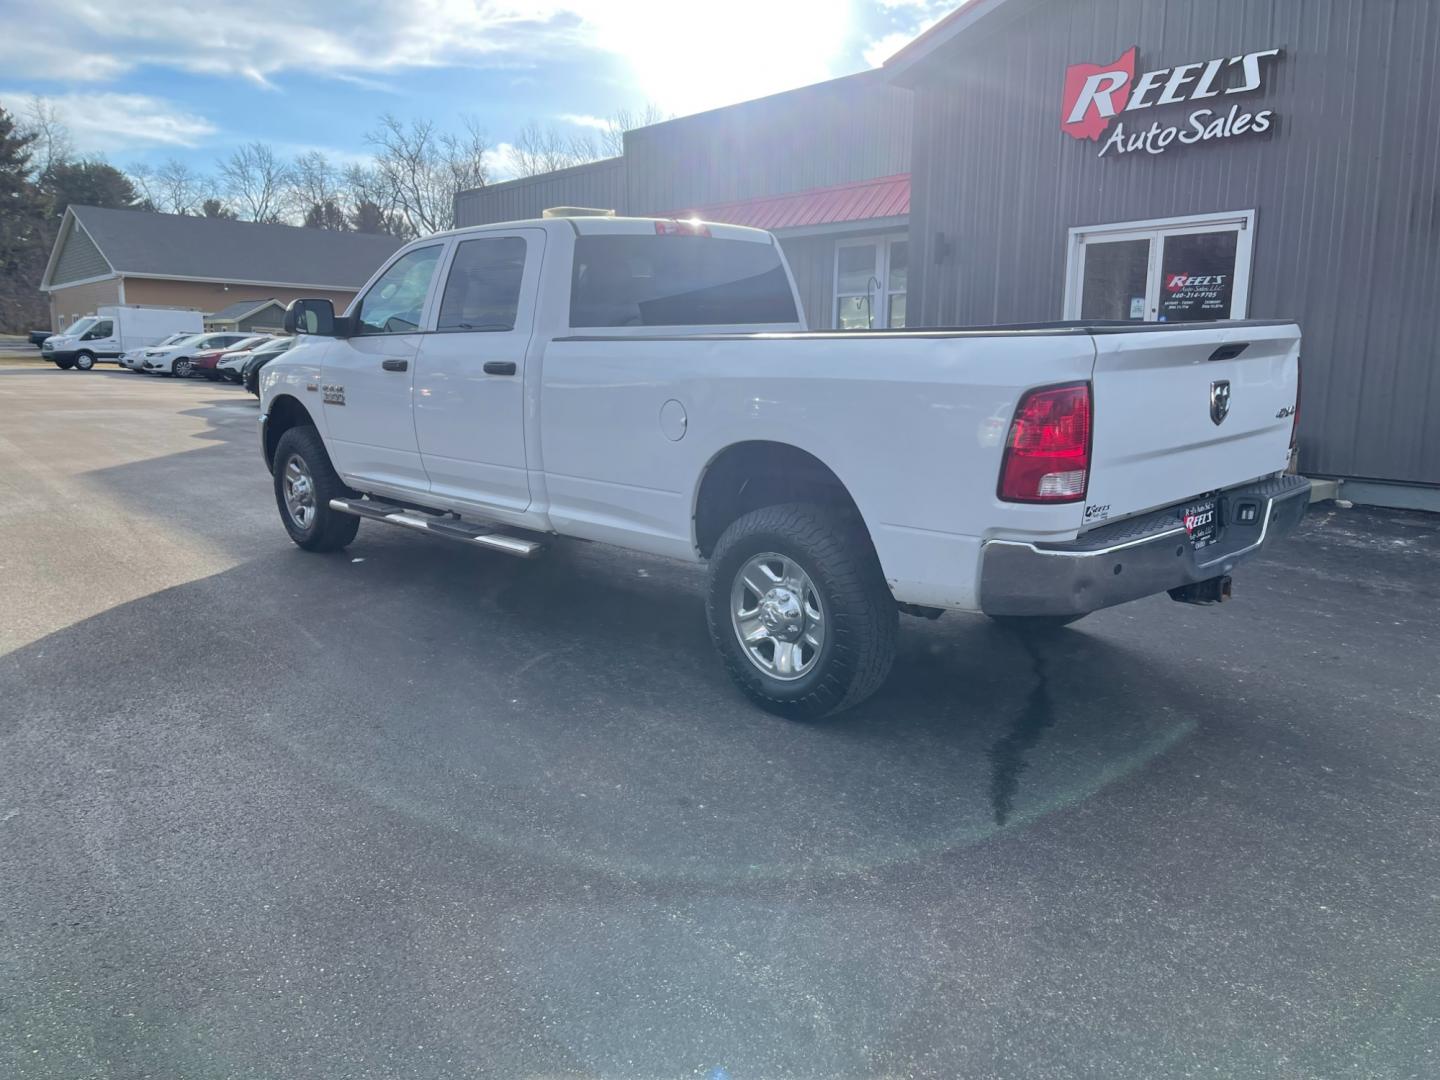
[651, 384]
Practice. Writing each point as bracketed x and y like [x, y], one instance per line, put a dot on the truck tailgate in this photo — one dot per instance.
[1179, 413]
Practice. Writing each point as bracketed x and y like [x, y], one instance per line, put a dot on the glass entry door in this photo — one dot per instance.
[870, 283]
[1176, 270]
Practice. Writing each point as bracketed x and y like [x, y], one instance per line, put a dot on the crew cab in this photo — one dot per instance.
[651, 384]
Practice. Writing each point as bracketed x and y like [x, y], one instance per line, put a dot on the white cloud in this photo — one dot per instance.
[881, 49]
[103, 122]
[695, 54]
[498, 162]
[599, 123]
[913, 18]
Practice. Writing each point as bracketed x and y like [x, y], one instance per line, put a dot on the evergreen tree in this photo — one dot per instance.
[23, 236]
[326, 215]
[214, 208]
[87, 183]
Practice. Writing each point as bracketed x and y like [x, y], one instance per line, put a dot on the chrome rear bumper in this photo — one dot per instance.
[1137, 557]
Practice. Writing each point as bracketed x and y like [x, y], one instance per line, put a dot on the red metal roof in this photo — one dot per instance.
[861, 200]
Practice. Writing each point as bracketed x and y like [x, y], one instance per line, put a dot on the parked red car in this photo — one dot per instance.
[204, 363]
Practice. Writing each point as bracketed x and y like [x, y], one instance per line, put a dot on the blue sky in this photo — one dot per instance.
[146, 80]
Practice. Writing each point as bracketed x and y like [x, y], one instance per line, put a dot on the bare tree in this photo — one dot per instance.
[314, 181]
[539, 150]
[421, 170]
[612, 136]
[257, 182]
[173, 188]
[52, 145]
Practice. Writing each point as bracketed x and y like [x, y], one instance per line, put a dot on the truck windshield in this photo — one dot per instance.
[79, 326]
[677, 281]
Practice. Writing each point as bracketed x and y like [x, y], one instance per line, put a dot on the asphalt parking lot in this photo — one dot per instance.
[420, 811]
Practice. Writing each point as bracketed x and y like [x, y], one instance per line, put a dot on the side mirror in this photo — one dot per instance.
[315, 317]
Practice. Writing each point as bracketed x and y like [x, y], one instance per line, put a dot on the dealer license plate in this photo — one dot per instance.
[1200, 522]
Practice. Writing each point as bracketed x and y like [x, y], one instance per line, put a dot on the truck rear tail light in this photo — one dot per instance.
[1047, 454]
[688, 227]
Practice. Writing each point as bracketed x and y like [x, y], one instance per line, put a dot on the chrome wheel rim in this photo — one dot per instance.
[182, 368]
[299, 489]
[777, 616]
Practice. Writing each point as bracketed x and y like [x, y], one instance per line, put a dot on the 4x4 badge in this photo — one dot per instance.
[1219, 401]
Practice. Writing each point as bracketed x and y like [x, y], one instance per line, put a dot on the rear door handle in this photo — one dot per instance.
[395, 365]
[499, 367]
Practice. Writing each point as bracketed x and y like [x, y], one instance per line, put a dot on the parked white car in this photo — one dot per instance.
[651, 384]
[174, 359]
[134, 358]
[113, 331]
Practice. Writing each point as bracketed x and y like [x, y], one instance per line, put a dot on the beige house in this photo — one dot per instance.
[104, 256]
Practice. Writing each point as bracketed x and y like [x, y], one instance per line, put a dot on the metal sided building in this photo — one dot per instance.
[824, 167]
[1141, 160]
[1171, 160]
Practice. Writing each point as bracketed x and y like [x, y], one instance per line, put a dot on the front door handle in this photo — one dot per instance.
[499, 367]
[395, 365]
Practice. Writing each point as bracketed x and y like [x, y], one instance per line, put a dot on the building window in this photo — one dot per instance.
[870, 280]
[1186, 269]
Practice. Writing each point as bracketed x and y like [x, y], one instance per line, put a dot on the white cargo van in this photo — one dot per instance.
[112, 331]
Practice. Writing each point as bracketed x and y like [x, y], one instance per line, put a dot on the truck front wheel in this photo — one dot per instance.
[84, 361]
[799, 609]
[305, 482]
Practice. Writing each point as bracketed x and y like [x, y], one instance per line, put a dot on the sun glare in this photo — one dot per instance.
[692, 55]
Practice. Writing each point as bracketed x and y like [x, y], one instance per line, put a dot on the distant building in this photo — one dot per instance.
[104, 256]
[249, 316]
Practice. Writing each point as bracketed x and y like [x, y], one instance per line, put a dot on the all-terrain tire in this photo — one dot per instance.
[325, 529]
[861, 619]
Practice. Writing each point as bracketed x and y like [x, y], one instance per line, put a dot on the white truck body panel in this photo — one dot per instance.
[1154, 434]
[606, 434]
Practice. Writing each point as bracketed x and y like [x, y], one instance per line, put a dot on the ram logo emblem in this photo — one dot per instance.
[1219, 401]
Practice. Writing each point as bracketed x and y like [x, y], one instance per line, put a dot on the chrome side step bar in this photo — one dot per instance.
[450, 530]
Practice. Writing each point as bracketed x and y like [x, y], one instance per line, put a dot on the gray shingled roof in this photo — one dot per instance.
[141, 243]
[241, 308]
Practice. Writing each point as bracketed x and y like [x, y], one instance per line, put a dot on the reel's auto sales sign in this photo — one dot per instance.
[1097, 94]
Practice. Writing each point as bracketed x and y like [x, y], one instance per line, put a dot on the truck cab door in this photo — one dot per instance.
[367, 379]
[102, 340]
[470, 387]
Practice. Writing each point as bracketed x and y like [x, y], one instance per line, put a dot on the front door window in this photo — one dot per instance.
[396, 303]
[1190, 269]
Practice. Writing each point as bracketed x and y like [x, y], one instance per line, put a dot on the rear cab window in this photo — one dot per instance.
[669, 280]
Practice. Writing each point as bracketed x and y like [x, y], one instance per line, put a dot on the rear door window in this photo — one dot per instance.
[677, 281]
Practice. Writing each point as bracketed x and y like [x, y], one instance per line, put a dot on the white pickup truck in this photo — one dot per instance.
[651, 384]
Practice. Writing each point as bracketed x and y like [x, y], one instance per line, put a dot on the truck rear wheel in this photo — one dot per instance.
[84, 361]
[799, 610]
[305, 482]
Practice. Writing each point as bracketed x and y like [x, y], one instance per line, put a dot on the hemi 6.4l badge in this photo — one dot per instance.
[334, 393]
[1219, 401]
